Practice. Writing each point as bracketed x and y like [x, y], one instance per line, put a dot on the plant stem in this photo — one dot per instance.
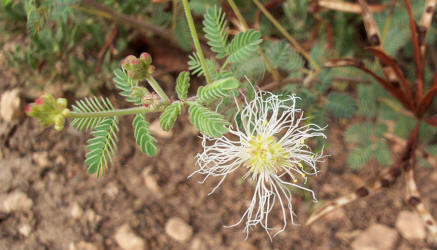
[158, 89]
[241, 19]
[196, 40]
[116, 112]
[286, 34]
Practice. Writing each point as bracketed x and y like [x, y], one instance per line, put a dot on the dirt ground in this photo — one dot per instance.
[66, 207]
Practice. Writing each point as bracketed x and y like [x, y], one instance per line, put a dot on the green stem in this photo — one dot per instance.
[116, 112]
[196, 40]
[158, 90]
[287, 35]
[241, 19]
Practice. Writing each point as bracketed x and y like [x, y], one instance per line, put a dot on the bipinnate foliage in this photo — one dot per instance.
[125, 84]
[182, 85]
[341, 105]
[368, 143]
[209, 122]
[243, 45]
[218, 89]
[143, 136]
[170, 114]
[102, 146]
[216, 31]
[90, 105]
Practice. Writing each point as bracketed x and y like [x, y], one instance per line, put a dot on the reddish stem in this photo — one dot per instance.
[417, 58]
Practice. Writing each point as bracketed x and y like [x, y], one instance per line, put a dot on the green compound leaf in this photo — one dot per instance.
[208, 122]
[382, 154]
[217, 89]
[215, 27]
[182, 85]
[359, 156]
[278, 53]
[125, 84]
[102, 147]
[243, 45]
[90, 105]
[367, 100]
[169, 116]
[341, 105]
[194, 65]
[359, 133]
[143, 137]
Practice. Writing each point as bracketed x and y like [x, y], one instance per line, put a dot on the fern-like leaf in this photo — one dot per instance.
[341, 105]
[208, 122]
[102, 146]
[217, 89]
[182, 85]
[169, 116]
[215, 27]
[194, 65]
[90, 105]
[125, 84]
[243, 45]
[143, 136]
[278, 53]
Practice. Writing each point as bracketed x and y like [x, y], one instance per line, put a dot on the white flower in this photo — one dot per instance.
[270, 146]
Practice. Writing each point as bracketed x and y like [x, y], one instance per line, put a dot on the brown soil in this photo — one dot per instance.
[120, 197]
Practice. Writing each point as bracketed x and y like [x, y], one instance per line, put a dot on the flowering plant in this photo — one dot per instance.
[270, 146]
[269, 139]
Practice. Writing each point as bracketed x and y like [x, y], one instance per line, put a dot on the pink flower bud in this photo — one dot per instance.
[146, 58]
[39, 101]
[28, 107]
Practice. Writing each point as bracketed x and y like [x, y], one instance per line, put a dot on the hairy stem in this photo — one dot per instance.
[241, 19]
[158, 89]
[196, 40]
[117, 112]
[287, 35]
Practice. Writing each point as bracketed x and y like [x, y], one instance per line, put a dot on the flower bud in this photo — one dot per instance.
[28, 108]
[62, 102]
[49, 111]
[150, 99]
[138, 69]
[39, 101]
[58, 119]
[139, 91]
[146, 58]
[65, 112]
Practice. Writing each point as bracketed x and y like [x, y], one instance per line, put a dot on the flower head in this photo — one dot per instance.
[269, 142]
[138, 69]
[49, 111]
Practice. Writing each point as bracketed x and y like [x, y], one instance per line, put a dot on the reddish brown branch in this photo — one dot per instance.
[390, 62]
[431, 121]
[417, 57]
[393, 89]
[429, 97]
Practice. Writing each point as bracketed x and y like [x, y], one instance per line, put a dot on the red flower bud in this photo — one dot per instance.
[39, 101]
[28, 107]
[146, 58]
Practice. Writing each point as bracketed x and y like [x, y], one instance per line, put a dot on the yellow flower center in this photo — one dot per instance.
[265, 153]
